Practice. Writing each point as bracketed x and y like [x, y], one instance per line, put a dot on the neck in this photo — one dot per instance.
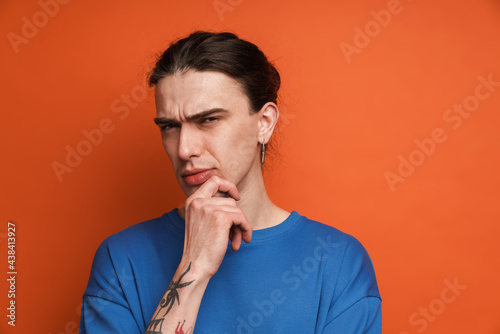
[260, 211]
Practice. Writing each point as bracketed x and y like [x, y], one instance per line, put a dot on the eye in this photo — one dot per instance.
[209, 119]
[167, 127]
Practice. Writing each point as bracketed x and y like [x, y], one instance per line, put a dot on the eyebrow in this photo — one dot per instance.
[196, 117]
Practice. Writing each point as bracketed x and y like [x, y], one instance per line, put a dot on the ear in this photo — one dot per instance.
[268, 117]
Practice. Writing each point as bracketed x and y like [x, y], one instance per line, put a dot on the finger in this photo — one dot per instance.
[217, 184]
[236, 239]
[240, 220]
[224, 208]
[222, 201]
[247, 235]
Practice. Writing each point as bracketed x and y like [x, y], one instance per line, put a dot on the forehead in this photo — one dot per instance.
[188, 93]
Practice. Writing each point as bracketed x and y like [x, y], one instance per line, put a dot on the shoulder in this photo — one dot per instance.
[310, 229]
[346, 256]
[146, 232]
[118, 250]
[134, 241]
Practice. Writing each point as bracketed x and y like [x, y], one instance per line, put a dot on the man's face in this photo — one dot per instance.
[207, 128]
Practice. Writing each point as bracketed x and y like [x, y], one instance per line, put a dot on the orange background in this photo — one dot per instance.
[344, 125]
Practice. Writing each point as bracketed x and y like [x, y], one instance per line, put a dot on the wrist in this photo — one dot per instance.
[191, 271]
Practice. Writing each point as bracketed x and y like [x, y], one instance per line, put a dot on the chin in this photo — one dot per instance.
[188, 191]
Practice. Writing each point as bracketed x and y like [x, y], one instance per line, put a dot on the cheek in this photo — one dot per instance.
[240, 152]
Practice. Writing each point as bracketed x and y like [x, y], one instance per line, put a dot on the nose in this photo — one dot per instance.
[190, 142]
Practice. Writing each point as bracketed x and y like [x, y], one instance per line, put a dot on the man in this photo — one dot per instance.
[235, 261]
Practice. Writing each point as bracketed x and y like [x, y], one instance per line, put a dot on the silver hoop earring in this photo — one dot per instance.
[263, 154]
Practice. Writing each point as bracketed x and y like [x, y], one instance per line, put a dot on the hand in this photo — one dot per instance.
[212, 219]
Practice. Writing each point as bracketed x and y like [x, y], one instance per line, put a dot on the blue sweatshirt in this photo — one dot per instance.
[300, 276]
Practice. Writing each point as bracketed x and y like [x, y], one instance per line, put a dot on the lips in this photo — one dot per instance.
[196, 177]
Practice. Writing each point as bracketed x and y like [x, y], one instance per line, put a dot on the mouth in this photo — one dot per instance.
[195, 177]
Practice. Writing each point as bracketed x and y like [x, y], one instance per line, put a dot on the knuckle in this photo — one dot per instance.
[218, 215]
[197, 203]
[222, 218]
[208, 209]
[230, 202]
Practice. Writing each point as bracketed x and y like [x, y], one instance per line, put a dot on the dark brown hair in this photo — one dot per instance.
[222, 52]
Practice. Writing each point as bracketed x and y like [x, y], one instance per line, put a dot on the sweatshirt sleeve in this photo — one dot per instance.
[356, 306]
[105, 308]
